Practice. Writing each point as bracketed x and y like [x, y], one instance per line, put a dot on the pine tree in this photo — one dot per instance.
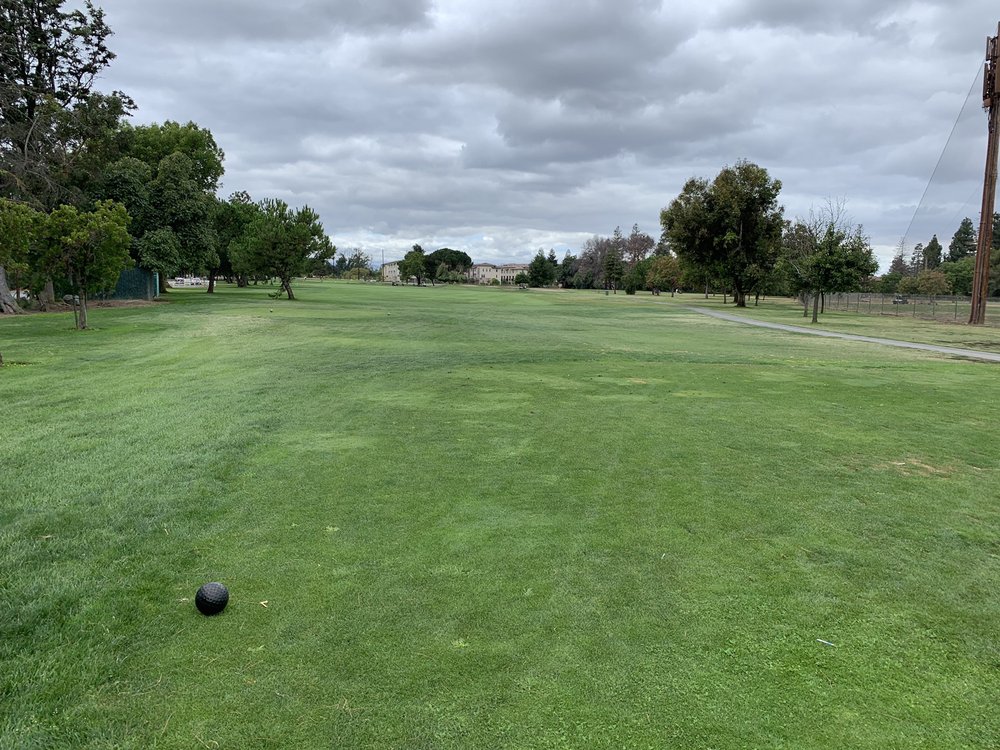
[963, 243]
[932, 253]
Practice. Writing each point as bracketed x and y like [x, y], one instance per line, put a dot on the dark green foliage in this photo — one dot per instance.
[413, 265]
[963, 242]
[729, 228]
[51, 123]
[959, 274]
[932, 253]
[454, 261]
[153, 143]
[567, 270]
[87, 248]
[540, 271]
[827, 254]
[281, 242]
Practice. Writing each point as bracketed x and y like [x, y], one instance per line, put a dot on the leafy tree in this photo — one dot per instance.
[959, 274]
[614, 269]
[889, 283]
[50, 119]
[899, 266]
[358, 264]
[167, 177]
[49, 60]
[828, 254]
[153, 143]
[590, 266]
[522, 278]
[664, 273]
[994, 284]
[917, 260]
[231, 218]
[932, 253]
[932, 283]
[413, 265]
[281, 243]
[88, 248]
[455, 260]
[638, 246]
[554, 262]
[635, 276]
[19, 225]
[908, 285]
[540, 271]
[730, 228]
[567, 270]
[963, 242]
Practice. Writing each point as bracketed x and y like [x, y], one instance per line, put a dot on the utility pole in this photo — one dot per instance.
[991, 103]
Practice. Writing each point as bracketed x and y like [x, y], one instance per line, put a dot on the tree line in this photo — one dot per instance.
[85, 194]
[929, 270]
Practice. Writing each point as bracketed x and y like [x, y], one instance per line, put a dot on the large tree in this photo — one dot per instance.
[19, 225]
[281, 242]
[55, 130]
[49, 60]
[932, 254]
[540, 271]
[413, 265]
[664, 273]
[638, 246]
[167, 177]
[963, 242]
[730, 227]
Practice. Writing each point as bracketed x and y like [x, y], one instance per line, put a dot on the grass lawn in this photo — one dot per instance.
[479, 518]
[943, 332]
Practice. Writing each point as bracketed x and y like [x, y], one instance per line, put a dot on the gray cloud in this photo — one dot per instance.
[499, 128]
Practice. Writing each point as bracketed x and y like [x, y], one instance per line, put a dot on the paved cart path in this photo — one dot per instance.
[953, 351]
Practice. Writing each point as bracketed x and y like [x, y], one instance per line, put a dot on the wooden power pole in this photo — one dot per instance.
[991, 103]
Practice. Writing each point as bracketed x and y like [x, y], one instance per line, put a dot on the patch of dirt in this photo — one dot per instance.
[911, 467]
[93, 304]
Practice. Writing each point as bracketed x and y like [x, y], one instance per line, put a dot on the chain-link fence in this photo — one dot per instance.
[941, 307]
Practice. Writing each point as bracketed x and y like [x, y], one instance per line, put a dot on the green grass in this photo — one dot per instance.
[943, 332]
[487, 518]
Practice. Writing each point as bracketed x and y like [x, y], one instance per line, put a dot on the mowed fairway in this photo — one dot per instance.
[474, 518]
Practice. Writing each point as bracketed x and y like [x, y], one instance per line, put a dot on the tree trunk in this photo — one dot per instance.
[286, 285]
[211, 282]
[822, 302]
[706, 288]
[242, 282]
[8, 305]
[47, 299]
[815, 307]
[81, 322]
[163, 282]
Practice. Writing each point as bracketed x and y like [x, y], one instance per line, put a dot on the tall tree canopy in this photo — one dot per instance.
[280, 242]
[963, 242]
[49, 60]
[87, 248]
[827, 253]
[730, 227]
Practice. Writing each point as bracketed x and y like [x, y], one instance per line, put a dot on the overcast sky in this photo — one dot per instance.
[502, 127]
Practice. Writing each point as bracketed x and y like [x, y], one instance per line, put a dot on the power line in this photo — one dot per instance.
[976, 79]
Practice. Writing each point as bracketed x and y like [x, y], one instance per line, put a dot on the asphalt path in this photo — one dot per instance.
[949, 350]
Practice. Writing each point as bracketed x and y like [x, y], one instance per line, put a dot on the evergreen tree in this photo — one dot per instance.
[963, 243]
[932, 254]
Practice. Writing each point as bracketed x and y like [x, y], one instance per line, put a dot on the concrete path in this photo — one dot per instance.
[954, 352]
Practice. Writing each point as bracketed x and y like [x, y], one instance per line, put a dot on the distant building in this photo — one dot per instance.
[487, 273]
[390, 271]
